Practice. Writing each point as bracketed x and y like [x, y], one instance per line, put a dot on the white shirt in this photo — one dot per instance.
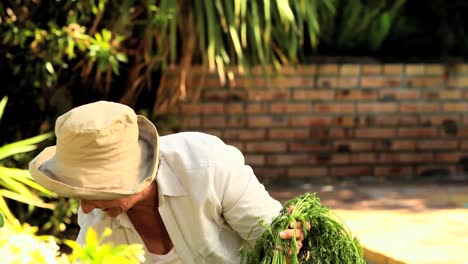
[209, 200]
[170, 258]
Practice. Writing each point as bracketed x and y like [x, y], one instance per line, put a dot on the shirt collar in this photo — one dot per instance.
[167, 181]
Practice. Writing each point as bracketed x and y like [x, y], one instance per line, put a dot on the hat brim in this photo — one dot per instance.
[147, 132]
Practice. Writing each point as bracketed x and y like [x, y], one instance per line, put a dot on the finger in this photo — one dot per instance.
[290, 209]
[299, 225]
[299, 246]
[289, 234]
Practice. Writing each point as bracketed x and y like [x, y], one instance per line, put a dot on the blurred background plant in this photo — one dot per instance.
[17, 184]
[21, 243]
[58, 54]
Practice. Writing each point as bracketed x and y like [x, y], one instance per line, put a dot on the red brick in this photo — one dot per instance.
[372, 82]
[234, 108]
[377, 107]
[354, 145]
[339, 132]
[437, 120]
[290, 159]
[347, 82]
[375, 133]
[266, 121]
[350, 171]
[416, 157]
[224, 95]
[212, 108]
[399, 94]
[460, 68]
[334, 108]
[328, 82]
[425, 81]
[464, 145]
[265, 147]
[268, 94]
[328, 69]
[458, 82]
[310, 121]
[249, 82]
[400, 145]
[347, 121]
[463, 132]
[393, 69]
[435, 69]
[219, 133]
[313, 94]
[291, 108]
[287, 70]
[383, 120]
[233, 121]
[339, 159]
[447, 157]
[419, 107]
[417, 132]
[289, 133]
[415, 69]
[191, 109]
[255, 160]
[260, 70]
[190, 122]
[364, 94]
[371, 69]
[252, 134]
[270, 173]
[213, 121]
[383, 158]
[307, 172]
[308, 146]
[257, 108]
[450, 94]
[350, 69]
[290, 82]
[360, 158]
[437, 144]
[395, 170]
[455, 107]
[307, 69]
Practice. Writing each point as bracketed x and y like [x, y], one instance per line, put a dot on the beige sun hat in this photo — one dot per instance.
[103, 151]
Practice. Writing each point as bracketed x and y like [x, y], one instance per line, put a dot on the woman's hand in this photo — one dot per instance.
[289, 233]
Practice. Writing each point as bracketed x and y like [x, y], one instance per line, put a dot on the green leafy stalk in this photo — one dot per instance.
[328, 240]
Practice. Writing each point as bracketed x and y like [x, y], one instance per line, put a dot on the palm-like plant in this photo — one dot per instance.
[17, 184]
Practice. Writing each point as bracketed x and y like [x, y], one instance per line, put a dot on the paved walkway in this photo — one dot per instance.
[400, 224]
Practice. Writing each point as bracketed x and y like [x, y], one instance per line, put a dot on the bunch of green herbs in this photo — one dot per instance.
[327, 241]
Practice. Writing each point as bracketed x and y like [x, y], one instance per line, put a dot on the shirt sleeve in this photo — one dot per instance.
[244, 199]
[82, 220]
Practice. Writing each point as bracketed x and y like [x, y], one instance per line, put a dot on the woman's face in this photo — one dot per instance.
[118, 206]
[111, 207]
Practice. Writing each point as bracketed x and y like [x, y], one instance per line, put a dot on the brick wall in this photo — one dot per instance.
[323, 122]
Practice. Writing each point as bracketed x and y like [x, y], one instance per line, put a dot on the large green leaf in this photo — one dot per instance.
[23, 177]
[22, 146]
[25, 199]
[2, 220]
[3, 103]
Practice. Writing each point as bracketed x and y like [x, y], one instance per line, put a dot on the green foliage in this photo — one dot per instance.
[2, 220]
[362, 24]
[62, 216]
[248, 33]
[17, 184]
[95, 251]
[21, 244]
[328, 241]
